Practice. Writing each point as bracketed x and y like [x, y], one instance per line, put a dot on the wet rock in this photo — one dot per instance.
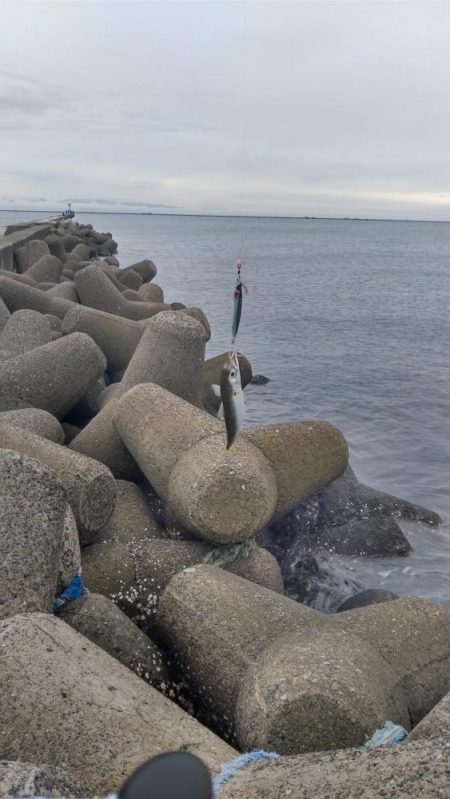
[90, 486]
[103, 623]
[368, 597]
[347, 498]
[53, 377]
[377, 535]
[33, 503]
[318, 581]
[102, 721]
[259, 380]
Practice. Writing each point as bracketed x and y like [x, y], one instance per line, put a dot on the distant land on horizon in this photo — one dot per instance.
[229, 216]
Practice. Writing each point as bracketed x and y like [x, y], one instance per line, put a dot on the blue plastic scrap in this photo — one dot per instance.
[389, 733]
[229, 769]
[74, 590]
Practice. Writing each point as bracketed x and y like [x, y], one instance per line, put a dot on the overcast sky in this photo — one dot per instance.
[283, 108]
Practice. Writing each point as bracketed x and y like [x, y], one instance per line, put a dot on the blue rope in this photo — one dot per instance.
[389, 733]
[74, 590]
[229, 769]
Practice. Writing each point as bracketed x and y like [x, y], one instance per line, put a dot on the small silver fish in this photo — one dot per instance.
[232, 398]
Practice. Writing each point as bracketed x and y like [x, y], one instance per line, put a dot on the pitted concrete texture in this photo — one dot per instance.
[387, 772]
[24, 331]
[91, 715]
[90, 486]
[33, 505]
[53, 377]
[35, 421]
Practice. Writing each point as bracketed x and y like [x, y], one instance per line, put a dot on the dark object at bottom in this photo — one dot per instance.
[259, 380]
[174, 775]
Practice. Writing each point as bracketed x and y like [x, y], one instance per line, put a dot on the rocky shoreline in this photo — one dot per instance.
[158, 594]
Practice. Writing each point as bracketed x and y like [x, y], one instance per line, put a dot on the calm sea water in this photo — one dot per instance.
[351, 322]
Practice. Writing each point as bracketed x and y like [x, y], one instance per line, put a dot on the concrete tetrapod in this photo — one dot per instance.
[116, 336]
[102, 721]
[47, 268]
[217, 624]
[135, 575]
[305, 456]
[100, 620]
[295, 682]
[33, 503]
[24, 331]
[90, 486]
[132, 518]
[96, 291]
[27, 255]
[53, 377]
[170, 354]
[219, 497]
[392, 772]
[36, 421]
[17, 296]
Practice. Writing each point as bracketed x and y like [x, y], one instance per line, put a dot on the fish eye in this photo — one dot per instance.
[233, 373]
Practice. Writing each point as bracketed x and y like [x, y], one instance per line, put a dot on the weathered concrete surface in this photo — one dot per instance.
[24, 331]
[413, 635]
[33, 506]
[132, 518]
[18, 296]
[136, 575]
[53, 377]
[102, 622]
[170, 354]
[100, 440]
[23, 780]
[18, 238]
[217, 624]
[97, 291]
[90, 486]
[180, 449]
[384, 661]
[387, 772]
[306, 456]
[91, 715]
[35, 421]
[116, 336]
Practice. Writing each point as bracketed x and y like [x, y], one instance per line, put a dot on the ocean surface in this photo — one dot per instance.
[350, 320]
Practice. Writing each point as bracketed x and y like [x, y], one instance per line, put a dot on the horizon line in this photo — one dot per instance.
[231, 216]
